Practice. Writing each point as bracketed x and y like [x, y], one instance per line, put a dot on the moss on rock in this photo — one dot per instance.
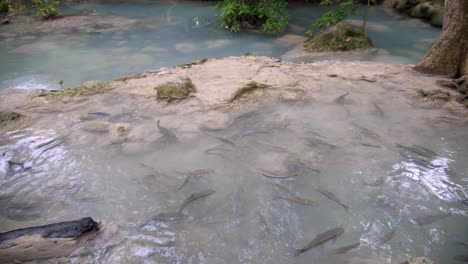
[250, 89]
[87, 88]
[7, 117]
[423, 10]
[180, 89]
[341, 37]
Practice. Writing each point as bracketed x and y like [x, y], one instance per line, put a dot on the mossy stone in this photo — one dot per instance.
[7, 117]
[423, 10]
[341, 37]
[176, 90]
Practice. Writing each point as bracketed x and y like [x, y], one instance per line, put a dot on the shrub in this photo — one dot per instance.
[333, 17]
[47, 9]
[268, 15]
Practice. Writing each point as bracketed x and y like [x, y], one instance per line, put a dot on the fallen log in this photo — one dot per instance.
[64, 239]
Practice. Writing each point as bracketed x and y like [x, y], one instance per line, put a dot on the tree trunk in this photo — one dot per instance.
[449, 55]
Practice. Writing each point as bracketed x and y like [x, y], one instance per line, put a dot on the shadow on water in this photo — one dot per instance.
[400, 176]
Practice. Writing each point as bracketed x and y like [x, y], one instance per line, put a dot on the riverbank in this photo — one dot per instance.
[218, 80]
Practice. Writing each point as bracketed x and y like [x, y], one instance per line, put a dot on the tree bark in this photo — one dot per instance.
[449, 55]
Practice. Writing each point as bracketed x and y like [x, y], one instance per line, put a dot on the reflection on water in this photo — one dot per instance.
[169, 37]
[402, 175]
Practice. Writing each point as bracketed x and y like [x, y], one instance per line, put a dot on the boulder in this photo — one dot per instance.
[341, 37]
[401, 5]
[423, 10]
[437, 18]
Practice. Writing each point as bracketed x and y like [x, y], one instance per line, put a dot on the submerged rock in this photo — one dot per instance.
[118, 133]
[179, 89]
[418, 260]
[7, 117]
[341, 37]
[96, 126]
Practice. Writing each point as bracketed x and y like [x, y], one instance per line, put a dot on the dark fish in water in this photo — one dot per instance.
[297, 167]
[465, 202]
[209, 129]
[463, 258]
[462, 243]
[255, 132]
[171, 216]
[171, 136]
[387, 235]
[99, 113]
[368, 132]
[430, 218]
[379, 110]
[421, 151]
[341, 99]
[195, 173]
[318, 142]
[275, 175]
[344, 249]
[369, 145]
[332, 197]
[13, 163]
[377, 182]
[195, 196]
[320, 239]
[263, 222]
[226, 141]
[299, 200]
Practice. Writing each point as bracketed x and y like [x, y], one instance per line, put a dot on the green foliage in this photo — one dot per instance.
[333, 17]
[47, 8]
[268, 15]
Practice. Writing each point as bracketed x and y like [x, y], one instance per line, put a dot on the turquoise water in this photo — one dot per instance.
[170, 37]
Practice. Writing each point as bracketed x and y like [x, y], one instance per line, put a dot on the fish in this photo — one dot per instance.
[195, 196]
[275, 175]
[344, 249]
[99, 113]
[465, 201]
[377, 182]
[320, 239]
[171, 136]
[369, 145]
[341, 99]
[263, 222]
[254, 132]
[318, 142]
[226, 141]
[297, 166]
[462, 243]
[195, 173]
[332, 197]
[368, 132]
[463, 258]
[387, 235]
[424, 220]
[171, 216]
[421, 151]
[379, 110]
[299, 200]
